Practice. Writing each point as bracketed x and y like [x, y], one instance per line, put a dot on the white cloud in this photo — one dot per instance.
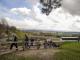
[22, 24]
[33, 1]
[22, 11]
[73, 6]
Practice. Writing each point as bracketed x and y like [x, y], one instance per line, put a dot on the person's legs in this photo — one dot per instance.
[29, 46]
[16, 46]
[46, 46]
[25, 45]
[11, 46]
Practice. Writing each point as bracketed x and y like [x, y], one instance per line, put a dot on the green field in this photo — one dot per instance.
[69, 51]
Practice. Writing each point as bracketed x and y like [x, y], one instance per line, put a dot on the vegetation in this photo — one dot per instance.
[69, 51]
[7, 30]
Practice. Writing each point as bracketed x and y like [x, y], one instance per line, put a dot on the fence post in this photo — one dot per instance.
[23, 45]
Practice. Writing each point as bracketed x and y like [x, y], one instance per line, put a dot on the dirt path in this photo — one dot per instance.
[43, 53]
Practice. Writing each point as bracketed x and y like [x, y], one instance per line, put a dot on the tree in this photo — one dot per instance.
[48, 5]
[4, 26]
[4, 22]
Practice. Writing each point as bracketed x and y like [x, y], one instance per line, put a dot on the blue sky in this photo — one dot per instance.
[6, 5]
[15, 3]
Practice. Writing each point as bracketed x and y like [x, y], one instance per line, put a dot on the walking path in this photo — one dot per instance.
[42, 53]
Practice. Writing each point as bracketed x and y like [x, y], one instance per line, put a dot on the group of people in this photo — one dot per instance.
[50, 44]
[30, 42]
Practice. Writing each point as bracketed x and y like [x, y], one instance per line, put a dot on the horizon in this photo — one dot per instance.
[49, 31]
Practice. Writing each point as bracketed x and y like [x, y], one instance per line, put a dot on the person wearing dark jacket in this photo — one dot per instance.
[38, 44]
[26, 41]
[14, 43]
[32, 41]
[45, 44]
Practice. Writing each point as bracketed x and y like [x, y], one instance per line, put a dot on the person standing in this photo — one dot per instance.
[26, 41]
[49, 42]
[38, 44]
[14, 43]
[45, 44]
[32, 41]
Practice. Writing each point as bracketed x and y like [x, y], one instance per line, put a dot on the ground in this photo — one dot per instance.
[42, 53]
[33, 52]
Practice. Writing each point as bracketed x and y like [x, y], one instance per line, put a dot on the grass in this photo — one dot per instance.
[69, 51]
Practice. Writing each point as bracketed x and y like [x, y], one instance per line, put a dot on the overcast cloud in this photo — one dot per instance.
[73, 6]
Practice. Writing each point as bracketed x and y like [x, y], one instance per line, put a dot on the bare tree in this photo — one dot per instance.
[5, 25]
[4, 21]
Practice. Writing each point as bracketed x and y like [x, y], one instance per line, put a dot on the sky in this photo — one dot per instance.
[26, 15]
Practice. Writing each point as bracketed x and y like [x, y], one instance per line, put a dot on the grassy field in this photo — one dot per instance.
[68, 51]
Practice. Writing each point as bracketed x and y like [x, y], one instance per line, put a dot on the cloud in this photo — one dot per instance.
[23, 11]
[72, 6]
[59, 19]
[22, 24]
[33, 2]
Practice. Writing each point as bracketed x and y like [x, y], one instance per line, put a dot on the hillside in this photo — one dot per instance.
[7, 31]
